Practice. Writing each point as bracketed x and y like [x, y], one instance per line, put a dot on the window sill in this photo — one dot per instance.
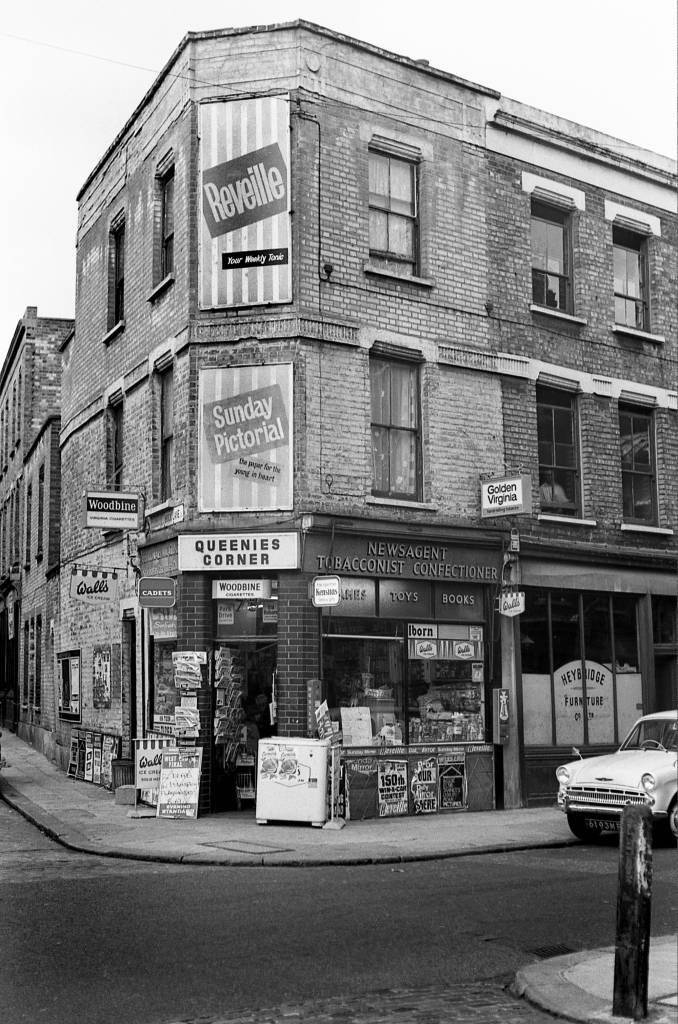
[370, 267]
[401, 503]
[640, 528]
[162, 506]
[546, 517]
[161, 287]
[633, 332]
[114, 332]
[547, 311]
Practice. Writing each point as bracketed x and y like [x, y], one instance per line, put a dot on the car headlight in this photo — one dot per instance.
[648, 782]
[563, 775]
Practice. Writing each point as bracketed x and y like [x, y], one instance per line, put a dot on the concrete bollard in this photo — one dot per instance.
[634, 904]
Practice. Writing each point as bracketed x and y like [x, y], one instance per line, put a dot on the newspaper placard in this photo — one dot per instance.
[392, 788]
[179, 783]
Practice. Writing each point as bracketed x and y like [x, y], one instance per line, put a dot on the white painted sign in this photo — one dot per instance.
[506, 496]
[512, 602]
[112, 510]
[238, 552]
[241, 589]
[325, 591]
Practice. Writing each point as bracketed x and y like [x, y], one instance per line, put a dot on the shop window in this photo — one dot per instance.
[395, 429]
[116, 274]
[69, 685]
[579, 663]
[664, 620]
[165, 694]
[637, 466]
[630, 279]
[551, 260]
[558, 452]
[393, 212]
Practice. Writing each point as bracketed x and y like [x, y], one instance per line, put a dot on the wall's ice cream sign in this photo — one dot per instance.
[245, 234]
[246, 421]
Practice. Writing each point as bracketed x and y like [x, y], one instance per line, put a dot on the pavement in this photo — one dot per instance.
[88, 819]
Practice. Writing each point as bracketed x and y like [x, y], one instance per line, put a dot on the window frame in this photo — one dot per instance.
[116, 273]
[116, 461]
[41, 513]
[29, 515]
[647, 415]
[555, 215]
[392, 428]
[389, 257]
[166, 431]
[636, 243]
[555, 470]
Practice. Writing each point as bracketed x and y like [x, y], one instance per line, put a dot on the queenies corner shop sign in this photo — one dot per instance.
[238, 552]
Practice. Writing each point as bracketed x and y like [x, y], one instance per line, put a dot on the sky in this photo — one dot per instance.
[73, 71]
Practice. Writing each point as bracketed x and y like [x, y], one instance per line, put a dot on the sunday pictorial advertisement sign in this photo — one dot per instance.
[245, 438]
[245, 234]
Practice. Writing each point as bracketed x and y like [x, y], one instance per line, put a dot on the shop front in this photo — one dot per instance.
[407, 662]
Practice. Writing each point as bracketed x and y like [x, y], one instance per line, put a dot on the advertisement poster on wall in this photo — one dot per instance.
[245, 236]
[246, 443]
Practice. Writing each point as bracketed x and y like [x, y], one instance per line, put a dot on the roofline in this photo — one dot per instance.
[284, 26]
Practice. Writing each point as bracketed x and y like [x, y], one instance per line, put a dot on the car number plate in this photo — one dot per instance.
[603, 824]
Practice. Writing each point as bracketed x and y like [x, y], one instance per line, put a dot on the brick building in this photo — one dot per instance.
[342, 314]
[30, 517]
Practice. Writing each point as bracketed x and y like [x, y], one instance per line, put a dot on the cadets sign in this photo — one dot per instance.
[157, 592]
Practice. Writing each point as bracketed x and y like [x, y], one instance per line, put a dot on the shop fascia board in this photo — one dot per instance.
[449, 535]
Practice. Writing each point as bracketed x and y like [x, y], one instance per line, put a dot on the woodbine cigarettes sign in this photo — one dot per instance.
[245, 450]
[112, 510]
[245, 202]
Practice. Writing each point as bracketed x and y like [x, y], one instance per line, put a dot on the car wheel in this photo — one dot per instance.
[673, 818]
[580, 829]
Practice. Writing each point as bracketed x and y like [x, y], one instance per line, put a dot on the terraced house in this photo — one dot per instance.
[382, 366]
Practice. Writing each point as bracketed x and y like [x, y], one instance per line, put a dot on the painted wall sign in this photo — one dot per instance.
[358, 598]
[245, 237]
[245, 438]
[365, 556]
[571, 703]
[241, 589]
[94, 586]
[112, 510]
[506, 496]
[157, 592]
[404, 600]
[238, 552]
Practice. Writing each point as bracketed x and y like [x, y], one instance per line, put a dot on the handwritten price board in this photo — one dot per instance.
[179, 783]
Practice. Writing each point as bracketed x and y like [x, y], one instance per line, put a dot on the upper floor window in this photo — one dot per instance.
[29, 514]
[116, 274]
[393, 211]
[637, 466]
[395, 429]
[167, 224]
[166, 432]
[551, 260]
[558, 451]
[115, 448]
[41, 511]
[630, 279]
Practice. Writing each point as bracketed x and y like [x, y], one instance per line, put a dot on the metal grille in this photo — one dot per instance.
[604, 796]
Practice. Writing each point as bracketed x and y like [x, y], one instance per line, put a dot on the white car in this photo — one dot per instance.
[594, 791]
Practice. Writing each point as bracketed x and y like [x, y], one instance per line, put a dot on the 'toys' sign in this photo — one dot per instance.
[157, 592]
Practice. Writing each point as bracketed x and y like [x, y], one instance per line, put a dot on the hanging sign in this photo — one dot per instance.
[112, 510]
[94, 586]
[241, 589]
[511, 602]
[506, 496]
[325, 591]
[157, 592]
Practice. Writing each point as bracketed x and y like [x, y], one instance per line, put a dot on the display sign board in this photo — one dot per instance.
[112, 510]
[506, 496]
[157, 592]
[148, 760]
[179, 783]
[241, 590]
[392, 788]
[93, 585]
[245, 447]
[511, 602]
[238, 552]
[325, 591]
[245, 231]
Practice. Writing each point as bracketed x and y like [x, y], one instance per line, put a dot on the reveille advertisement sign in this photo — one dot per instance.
[245, 450]
[245, 237]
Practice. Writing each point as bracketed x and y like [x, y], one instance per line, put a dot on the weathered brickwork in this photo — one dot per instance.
[464, 319]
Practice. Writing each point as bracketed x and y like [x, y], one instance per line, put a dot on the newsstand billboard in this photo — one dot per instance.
[245, 447]
[245, 202]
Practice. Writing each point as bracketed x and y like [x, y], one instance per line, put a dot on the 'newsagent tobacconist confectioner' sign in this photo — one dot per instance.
[366, 556]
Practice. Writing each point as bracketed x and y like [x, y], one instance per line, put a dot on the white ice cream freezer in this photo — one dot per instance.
[292, 780]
